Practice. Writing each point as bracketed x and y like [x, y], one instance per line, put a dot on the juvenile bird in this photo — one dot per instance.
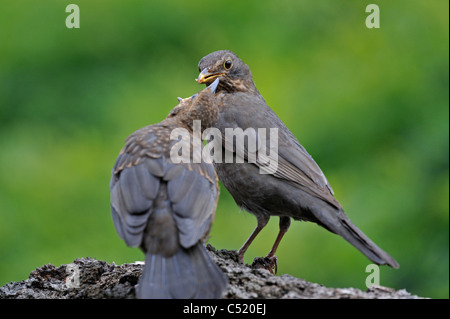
[297, 187]
[166, 208]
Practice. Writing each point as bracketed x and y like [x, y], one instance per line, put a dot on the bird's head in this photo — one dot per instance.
[234, 74]
[200, 106]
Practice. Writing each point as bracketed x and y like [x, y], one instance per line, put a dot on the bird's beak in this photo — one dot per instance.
[213, 86]
[206, 77]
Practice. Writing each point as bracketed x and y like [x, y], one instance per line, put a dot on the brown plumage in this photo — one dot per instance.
[297, 188]
[167, 208]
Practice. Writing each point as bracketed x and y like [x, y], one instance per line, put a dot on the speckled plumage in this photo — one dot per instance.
[167, 208]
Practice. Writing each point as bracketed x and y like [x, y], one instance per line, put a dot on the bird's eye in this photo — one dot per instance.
[227, 64]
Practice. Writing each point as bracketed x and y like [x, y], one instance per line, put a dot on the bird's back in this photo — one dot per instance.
[166, 209]
[294, 164]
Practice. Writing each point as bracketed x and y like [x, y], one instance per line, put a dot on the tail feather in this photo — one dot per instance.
[211, 281]
[189, 273]
[339, 223]
[363, 243]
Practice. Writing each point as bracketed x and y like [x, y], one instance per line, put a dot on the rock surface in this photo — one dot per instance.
[95, 279]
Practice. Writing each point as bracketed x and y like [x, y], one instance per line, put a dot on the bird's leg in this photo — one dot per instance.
[262, 222]
[285, 222]
[270, 261]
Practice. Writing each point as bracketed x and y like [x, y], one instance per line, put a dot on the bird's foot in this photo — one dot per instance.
[241, 258]
[269, 263]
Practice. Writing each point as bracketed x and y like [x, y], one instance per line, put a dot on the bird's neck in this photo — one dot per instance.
[207, 117]
[238, 85]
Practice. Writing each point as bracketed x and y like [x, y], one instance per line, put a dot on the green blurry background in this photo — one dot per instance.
[371, 106]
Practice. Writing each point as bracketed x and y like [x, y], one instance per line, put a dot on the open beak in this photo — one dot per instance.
[206, 77]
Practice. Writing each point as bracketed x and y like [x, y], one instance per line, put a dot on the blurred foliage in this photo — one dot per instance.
[371, 106]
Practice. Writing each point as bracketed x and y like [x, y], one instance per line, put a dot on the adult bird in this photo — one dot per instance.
[296, 188]
[166, 207]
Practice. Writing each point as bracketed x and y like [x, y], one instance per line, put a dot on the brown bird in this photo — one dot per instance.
[165, 207]
[295, 187]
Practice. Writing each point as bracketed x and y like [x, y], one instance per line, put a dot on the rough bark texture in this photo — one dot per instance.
[91, 278]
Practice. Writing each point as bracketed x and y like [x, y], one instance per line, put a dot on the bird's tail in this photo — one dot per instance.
[189, 273]
[340, 224]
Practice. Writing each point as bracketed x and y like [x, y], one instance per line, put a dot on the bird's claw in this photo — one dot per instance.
[269, 263]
